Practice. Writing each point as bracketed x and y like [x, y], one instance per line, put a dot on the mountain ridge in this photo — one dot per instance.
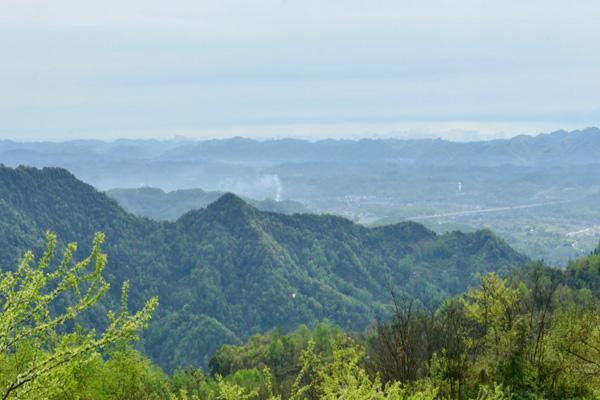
[238, 270]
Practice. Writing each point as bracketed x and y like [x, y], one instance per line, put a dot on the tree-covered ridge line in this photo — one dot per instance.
[168, 206]
[229, 271]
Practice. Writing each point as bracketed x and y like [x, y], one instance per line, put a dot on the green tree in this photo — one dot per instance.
[343, 377]
[39, 302]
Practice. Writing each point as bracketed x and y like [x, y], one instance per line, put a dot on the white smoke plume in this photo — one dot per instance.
[273, 183]
[260, 187]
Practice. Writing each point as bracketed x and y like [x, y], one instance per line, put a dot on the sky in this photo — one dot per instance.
[461, 69]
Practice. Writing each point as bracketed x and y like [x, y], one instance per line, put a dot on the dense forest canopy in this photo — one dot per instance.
[535, 334]
[239, 271]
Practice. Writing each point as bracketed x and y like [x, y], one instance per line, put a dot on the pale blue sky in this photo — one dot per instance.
[274, 68]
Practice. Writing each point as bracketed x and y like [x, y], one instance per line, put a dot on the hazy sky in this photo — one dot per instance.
[272, 68]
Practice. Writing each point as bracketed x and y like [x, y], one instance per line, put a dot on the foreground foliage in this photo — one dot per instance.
[39, 303]
[534, 335]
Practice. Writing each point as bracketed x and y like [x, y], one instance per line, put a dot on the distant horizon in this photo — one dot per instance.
[475, 137]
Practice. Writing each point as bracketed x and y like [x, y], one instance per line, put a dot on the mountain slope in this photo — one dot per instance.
[230, 270]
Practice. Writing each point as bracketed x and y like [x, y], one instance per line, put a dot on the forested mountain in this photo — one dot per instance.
[532, 335]
[160, 205]
[230, 270]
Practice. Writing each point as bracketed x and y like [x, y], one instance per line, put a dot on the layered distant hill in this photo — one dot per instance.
[177, 164]
[230, 270]
[160, 205]
[557, 148]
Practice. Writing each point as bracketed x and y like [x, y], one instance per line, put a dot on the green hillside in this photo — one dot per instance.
[228, 271]
[533, 335]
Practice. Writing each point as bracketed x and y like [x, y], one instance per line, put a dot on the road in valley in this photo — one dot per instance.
[485, 210]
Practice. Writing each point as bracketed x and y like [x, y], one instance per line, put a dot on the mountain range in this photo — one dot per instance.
[241, 165]
[229, 270]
